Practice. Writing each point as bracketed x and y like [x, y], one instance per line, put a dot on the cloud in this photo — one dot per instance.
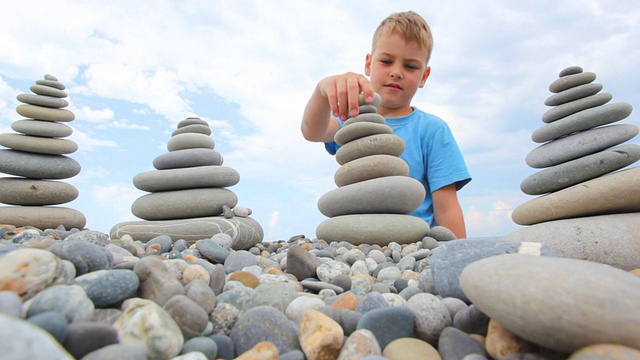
[117, 199]
[273, 222]
[495, 221]
[87, 143]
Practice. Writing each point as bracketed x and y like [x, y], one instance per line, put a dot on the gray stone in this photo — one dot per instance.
[364, 109]
[191, 121]
[381, 144]
[577, 303]
[609, 194]
[195, 128]
[41, 128]
[47, 91]
[92, 236]
[572, 107]
[51, 83]
[573, 80]
[301, 263]
[580, 144]
[359, 130]
[190, 141]
[579, 170]
[85, 337]
[180, 204]
[10, 303]
[187, 158]
[388, 324]
[37, 166]
[570, 71]
[431, 317]
[50, 77]
[41, 145]
[164, 241]
[583, 120]
[108, 287]
[202, 344]
[40, 100]
[377, 100]
[246, 232]
[212, 176]
[212, 251]
[441, 233]
[54, 322]
[573, 93]
[449, 259]
[85, 256]
[607, 239]
[28, 271]
[454, 344]
[471, 320]
[370, 167]
[45, 113]
[19, 339]
[20, 191]
[372, 229]
[190, 317]
[69, 300]
[258, 324]
[389, 194]
[367, 117]
[42, 217]
[118, 351]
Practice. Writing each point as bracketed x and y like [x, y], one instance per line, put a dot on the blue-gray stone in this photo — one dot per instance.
[570, 71]
[258, 324]
[187, 158]
[212, 251]
[165, 242]
[37, 166]
[583, 120]
[69, 300]
[450, 258]
[193, 128]
[10, 303]
[372, 301]
[226, 349]
[576, 171]
[238, 260]
[85, 256]
[558, 112]
[211, 176]
[91, 236]
[573, 93]
[126, 351]
[573, 80]
[388, 324]
[41, 128]
[19, 339]
[54, 322]
[108, 287]
[471, 320]
[203, 344]
[348, 320]
[85, 337]
[454, 344]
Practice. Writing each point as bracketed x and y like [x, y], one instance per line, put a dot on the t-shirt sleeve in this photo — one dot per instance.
[445, 163]
[332, 147]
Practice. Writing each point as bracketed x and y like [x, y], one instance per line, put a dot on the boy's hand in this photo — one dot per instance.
[342, 92]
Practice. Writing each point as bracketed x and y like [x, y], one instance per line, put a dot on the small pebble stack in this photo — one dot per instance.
[36, 156]
[580, 185]
[188, 193]
[374, 193]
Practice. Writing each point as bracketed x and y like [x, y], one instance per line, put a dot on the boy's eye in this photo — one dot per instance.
[385, 61]
[412, 67]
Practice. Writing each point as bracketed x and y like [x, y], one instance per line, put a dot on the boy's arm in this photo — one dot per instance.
[337, 95]
[447, 211]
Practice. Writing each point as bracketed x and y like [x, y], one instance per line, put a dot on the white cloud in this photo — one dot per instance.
[493, 221]
[273, 222]
[87, 143]
[118, 198]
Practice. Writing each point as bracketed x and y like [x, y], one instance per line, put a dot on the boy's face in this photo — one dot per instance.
[397, 69]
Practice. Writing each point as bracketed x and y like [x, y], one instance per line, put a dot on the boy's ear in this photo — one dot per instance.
[427, 71]
[367, 65]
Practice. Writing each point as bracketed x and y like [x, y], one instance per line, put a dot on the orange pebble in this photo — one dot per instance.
[306, 246]
[347, 300]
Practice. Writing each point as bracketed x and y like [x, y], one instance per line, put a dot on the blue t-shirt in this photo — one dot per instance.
[431, 152]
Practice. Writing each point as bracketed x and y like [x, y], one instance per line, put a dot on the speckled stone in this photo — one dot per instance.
[370, 167]
[360, 130]
[381, 144]
[20, 191]
[502, 286]
[29, 271]
[320, 336]
[359, 344]
[212, 176]
[69, 300]
[41, 128]
[37, 166]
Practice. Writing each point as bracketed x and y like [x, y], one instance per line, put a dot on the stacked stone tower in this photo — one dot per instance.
[588, 209]
[36, 156]
[374, 193]
[188, 193]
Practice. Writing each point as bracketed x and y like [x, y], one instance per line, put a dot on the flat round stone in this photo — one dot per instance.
[359, 130]
[50, 77]
[390, 194]
[504, 287]
[51, 83]
[40, 100]
[195, 128]
[187, 158]
[244, 231]
[370, 167]
[42, 128]
[573, 93]
[370, 117]
[186, 178]
[613, 193]
[181, 204]
[382, 144]
[41, 145]
[583, 120]
[570, 71]
[190, 141]
[573, 80]
[580, 144]
[47, 91]
[376, 100]
[19, 191]
[192, 121]
[45, 113]
[364, 109]
[41, 217]
[582, 169]
[374, 229]
[572, 107]
[37, 166]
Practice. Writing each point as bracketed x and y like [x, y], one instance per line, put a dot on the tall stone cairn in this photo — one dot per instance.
[587, 209]
[374, 193]
[36, 157]
[188, 193]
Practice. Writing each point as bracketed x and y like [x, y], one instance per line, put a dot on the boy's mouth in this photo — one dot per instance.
[393, 86]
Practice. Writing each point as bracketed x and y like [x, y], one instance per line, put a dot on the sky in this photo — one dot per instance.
[134, 69]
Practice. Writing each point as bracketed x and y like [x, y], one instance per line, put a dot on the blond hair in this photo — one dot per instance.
[410, 25]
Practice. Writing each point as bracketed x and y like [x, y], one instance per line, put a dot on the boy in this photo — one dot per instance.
[397, 67]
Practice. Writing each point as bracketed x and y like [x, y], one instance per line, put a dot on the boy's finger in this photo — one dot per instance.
[367, 89]
[343, 99]
[353, 91]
